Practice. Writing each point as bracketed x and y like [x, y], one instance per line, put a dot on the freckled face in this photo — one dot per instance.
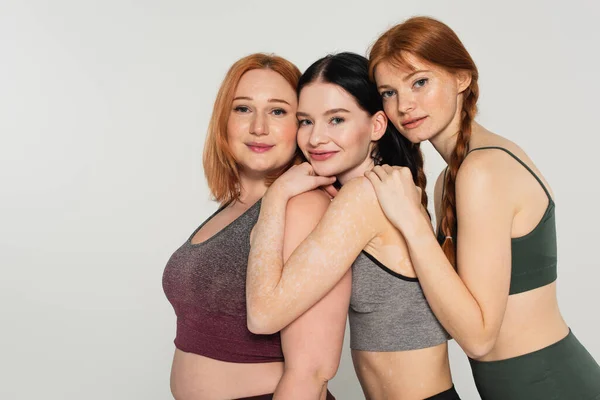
[334, 133]
[421, 101]
[262, 125]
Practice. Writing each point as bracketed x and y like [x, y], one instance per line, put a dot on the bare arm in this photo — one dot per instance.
[276, 293]
[312, 344]
[470, 302]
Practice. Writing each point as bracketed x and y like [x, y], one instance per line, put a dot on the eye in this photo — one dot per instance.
[304, 122]
[279, 112]
[420, 83]
[336, 120]
[242, 109]
[386, 94]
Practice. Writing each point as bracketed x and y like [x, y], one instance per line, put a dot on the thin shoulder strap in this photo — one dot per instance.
[520, 162]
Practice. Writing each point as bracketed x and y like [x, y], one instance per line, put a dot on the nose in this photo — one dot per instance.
[258, 126]
[317, 136]
[406, 103]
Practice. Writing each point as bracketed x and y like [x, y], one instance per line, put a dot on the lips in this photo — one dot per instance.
[413, 122]
[259, 147]
[321, 155]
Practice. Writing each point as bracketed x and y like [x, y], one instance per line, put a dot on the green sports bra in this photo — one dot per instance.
[534, 254]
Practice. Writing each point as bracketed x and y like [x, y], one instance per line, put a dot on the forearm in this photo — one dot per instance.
[265, 262]
[448, 296]
[301, 384]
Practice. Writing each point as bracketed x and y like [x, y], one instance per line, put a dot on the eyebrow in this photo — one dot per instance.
[328, 112]
[414, 73]
[404, 79]
[270, 100]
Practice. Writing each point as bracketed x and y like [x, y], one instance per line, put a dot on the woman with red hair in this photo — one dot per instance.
[492, 282]
[251, 140]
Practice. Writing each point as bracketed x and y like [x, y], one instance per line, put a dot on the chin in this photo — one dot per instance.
[322, 169]
[416, 137]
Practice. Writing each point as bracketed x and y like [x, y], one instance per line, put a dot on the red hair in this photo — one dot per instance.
[220, 167]
[437, 44]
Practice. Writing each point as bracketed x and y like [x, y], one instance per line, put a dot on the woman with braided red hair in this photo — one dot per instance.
[492, 284]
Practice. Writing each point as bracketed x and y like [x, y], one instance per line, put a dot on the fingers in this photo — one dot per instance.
[330, 190]
[380, 172]
[374, 179]
[323, 180]
[388, 169]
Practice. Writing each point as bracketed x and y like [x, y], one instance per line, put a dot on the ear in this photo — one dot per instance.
[463, 80]
[380, 122]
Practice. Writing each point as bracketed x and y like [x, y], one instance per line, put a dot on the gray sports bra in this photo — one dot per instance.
[388, 311]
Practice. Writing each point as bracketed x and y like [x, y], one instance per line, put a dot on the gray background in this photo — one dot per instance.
[103, 112]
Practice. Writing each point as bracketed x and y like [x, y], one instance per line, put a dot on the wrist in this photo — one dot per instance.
[417, 228]
[276, 194]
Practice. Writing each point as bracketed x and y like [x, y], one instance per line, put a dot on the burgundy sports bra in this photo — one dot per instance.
[206, 284]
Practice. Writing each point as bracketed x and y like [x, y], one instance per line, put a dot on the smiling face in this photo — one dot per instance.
[423, 101]
[335, 134]
[261, 129]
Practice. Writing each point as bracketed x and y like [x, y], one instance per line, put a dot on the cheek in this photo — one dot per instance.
[235, 127]
[287, 133]
[389, 108]
[441, 99]
[355, 138]
[303, 137]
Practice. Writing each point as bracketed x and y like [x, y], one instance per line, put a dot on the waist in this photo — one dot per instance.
[415, 374]
[388, 330]
[197, 377]
[232, 343]
[532, 321]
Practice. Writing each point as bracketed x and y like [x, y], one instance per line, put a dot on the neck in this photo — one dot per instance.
[445, 141]
[252, 188]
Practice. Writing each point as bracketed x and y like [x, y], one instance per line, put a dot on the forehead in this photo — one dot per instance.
[265, 83]
[319, 97]
[390, 71]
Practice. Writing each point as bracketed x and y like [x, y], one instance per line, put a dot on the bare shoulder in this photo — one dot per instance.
[312, 198]
[480, 170]
[358, 190]
[309, 203]
[357, 201]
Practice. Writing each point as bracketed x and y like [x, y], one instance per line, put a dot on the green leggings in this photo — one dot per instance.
[561, 371]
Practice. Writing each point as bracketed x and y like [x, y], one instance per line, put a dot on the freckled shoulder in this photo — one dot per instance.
[358, 189]
[358, 195]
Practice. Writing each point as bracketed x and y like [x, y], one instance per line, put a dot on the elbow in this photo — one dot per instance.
[479, 348]
[312, 374]
[327, 371]
[259, 324]
[321, 368]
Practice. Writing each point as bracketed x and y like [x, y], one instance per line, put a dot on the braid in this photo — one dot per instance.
[420, 178]
[448, 222]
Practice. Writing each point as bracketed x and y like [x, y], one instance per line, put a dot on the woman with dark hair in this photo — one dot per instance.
[251, 140]
[492, 284]
[399, 349]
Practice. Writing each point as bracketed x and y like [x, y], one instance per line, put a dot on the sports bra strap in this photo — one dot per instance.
[520, 162]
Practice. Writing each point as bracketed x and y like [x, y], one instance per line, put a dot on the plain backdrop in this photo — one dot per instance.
[104, 107]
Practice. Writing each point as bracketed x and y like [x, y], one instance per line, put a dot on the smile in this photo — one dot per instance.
[259, 147]
[413, 123]
[322, 155]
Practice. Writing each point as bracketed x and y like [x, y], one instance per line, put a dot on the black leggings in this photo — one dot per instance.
[449, 394]
[270, 397]
[562, 371]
